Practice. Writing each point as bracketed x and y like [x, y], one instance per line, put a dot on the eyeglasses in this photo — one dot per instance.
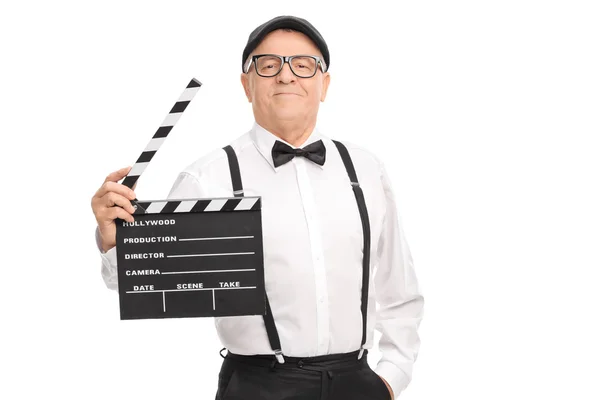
[269, 65]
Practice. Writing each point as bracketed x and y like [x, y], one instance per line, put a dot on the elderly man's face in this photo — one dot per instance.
[285, 98]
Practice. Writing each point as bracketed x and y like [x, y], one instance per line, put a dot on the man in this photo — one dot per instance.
[333, 244]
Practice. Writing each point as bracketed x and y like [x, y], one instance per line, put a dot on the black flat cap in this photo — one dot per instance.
[286, 21]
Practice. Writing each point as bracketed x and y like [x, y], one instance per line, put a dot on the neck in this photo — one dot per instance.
[293, 132]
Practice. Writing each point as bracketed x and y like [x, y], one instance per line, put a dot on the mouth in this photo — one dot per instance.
[286, 94]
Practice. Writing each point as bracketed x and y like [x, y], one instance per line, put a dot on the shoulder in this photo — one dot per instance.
[216, 159]
[362, 157]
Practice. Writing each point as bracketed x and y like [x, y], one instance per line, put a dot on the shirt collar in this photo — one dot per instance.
[264, 140]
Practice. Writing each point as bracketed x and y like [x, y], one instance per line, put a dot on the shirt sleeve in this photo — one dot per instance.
[400, 299]
[185, 186]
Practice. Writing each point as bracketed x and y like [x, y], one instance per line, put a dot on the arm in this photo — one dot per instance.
[185, 186]
[398, 294]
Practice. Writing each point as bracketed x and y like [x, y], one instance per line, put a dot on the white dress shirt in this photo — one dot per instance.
[313, 251]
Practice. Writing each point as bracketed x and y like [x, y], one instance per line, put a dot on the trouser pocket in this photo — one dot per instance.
[225, 377]
[361, 384]
[379, 382]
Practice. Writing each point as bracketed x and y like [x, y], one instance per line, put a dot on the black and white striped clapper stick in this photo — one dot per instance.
[159, 138]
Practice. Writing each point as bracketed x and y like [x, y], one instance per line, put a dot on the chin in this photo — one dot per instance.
[287, 115]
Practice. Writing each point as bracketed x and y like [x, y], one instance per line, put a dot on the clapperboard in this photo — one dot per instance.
[189, 257]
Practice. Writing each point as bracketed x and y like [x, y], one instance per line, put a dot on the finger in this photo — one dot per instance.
[118, 188]
[117, 212]
[117, 175]
[114, 199]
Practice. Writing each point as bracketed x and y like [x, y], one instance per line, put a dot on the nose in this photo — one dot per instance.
[286, 75]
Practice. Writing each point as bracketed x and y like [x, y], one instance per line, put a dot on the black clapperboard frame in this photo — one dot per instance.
[189, 257]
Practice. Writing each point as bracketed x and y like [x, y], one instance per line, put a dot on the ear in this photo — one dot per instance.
[326, 79]
[246, 84]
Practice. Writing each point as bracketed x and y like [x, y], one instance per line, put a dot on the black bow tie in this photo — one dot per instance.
[283, 153]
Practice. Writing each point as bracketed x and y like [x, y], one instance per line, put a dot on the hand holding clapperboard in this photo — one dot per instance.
[189, 257]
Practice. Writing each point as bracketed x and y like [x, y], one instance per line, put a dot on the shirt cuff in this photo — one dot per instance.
[99, 240]
[395, 377]
[109, 264]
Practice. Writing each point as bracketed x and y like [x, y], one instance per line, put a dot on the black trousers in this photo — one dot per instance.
[328, 377]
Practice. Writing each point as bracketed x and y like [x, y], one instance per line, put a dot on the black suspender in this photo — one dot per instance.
[236, 182]
[234, 170]
[364, 216]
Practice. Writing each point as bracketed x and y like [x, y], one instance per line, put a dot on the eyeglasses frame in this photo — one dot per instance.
[286, 59]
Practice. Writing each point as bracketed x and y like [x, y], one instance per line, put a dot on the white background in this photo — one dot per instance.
[486, 114]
